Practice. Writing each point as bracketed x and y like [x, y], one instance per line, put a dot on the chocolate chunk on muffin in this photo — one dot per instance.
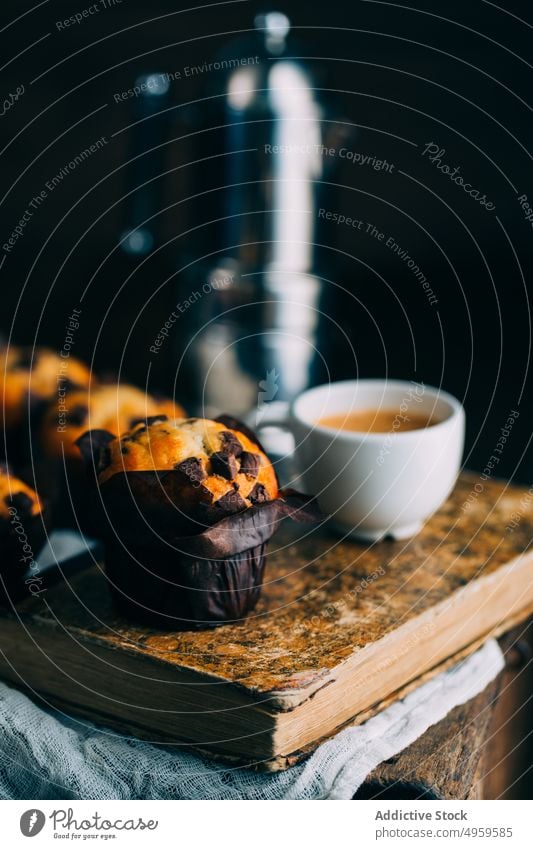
[208, 457]
[192, 469]
[249, 464]
[258, 495]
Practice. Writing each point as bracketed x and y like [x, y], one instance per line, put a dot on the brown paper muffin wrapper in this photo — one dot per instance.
[200, 580]
[173, 591]
[182, 571]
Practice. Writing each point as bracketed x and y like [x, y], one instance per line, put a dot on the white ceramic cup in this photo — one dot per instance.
[374, 485]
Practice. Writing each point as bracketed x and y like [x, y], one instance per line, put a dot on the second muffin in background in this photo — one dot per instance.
[115, 407]
[31, 379]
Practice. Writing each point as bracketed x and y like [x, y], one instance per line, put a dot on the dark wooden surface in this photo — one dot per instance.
[481, 750]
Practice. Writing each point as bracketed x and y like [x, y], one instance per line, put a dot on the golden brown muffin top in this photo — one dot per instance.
[39, 375]
[112, 407]
[217, 465]
[15, 494]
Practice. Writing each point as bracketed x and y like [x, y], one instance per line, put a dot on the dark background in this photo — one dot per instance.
[391, 79]
[458, 74]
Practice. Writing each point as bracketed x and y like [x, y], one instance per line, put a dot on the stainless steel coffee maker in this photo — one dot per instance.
[256, 332]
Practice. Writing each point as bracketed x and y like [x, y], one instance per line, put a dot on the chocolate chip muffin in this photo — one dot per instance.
[22, 533]
[188, 507]
[31, 378]
[113, 407]
[219, 471]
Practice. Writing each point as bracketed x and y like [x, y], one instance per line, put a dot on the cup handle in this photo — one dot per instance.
[276, 414]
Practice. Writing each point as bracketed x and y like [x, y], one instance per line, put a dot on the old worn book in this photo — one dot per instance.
[342, 628]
